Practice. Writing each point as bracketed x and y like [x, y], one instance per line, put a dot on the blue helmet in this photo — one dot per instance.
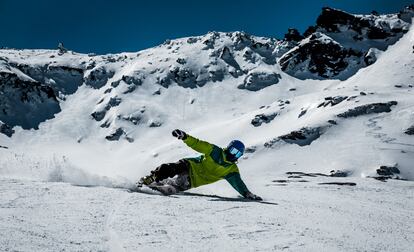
[235, 150]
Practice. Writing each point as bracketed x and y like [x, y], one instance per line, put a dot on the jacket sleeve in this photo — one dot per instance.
[237, 183]
[198, 145]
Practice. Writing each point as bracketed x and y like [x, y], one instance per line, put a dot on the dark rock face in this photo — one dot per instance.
[155, 124]
[25, 103]
[241, 40]
[321, 55]
[134, 119]
[181, 61]
[357, 33]
[293, 35]
[249, 56]
[302, 113]
[98, 77]
[407, 13]
[258, 80]
[250, 149]
[302, 137]
[106, 124]
[410, 130]
[338, 183]
[331, 18]
[306, 174]
[368, 109]
[132, 81]
[113, 102]
[192, 40]
[388, 170]
[262, 118]
[63, 79]
[332, 101]
[115, 84]
[216, 75]
[6, 129]
[158, 92]
[370, 57]
[135, 80]
[115, 136]
[339, 173]
[265, 50]
[228, 57]
[210, 41]
[333, 173]
[130, 89]
[61, 49]
[182, 76]
[100, 114]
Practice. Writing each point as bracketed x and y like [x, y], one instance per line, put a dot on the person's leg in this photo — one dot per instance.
[178, 183]
[169, 170]
[164, 171]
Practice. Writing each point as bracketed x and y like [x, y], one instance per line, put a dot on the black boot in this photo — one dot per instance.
[147, 180]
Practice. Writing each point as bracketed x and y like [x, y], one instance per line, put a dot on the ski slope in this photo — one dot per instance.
[373, 216]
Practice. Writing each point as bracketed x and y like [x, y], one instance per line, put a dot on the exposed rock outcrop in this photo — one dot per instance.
[24, 101]
[255, 81]
[368, 109]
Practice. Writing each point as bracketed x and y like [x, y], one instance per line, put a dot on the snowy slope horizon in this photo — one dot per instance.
[303, 94]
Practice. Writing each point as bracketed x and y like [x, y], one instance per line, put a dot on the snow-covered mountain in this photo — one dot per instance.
[237, 84]
[336, 47]
[341, 43]
[336, 100]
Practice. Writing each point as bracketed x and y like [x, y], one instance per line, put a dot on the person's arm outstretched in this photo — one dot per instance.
[237, 183]
[192, 142]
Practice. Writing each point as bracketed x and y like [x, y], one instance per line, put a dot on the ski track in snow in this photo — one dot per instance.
[388, 143]
[114, 241]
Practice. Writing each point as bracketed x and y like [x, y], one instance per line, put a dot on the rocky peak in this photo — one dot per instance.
[373, 26]
[317, 54]
[293, 35]
[347, 37]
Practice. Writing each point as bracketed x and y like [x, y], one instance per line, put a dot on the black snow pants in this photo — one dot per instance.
[169, 170]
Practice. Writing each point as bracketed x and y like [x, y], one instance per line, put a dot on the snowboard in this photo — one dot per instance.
[161, 188]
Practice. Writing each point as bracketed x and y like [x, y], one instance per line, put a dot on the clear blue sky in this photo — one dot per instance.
[128, 25]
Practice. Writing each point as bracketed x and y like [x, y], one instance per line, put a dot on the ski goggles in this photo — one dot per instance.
[235, 152]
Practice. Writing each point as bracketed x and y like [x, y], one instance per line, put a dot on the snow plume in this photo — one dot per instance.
[54, 168]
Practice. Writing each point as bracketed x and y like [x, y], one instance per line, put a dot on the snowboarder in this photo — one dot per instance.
[215, 164]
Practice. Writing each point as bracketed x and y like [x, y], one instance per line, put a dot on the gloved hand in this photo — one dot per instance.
[252, 196]
[179, 134]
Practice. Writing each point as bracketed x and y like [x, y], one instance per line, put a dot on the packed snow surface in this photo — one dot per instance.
[305, 216]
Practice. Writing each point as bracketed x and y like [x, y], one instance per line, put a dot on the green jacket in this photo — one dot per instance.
[212, 166]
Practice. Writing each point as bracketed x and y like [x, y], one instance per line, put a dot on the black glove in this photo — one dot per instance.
[252, 196]
[179, 134]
